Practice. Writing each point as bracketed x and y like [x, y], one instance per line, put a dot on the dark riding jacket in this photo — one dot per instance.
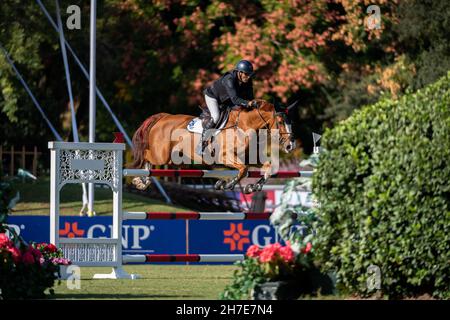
[229, 92]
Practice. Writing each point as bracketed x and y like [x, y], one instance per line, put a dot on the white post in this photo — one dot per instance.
[92, 96]
[54, 197]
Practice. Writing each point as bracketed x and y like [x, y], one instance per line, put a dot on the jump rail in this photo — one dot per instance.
[196, 215]
[209, 173]
[144, 258]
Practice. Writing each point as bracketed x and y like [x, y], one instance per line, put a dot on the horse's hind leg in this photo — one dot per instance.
[142, 183]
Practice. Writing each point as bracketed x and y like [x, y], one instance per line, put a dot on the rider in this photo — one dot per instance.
[234, 88]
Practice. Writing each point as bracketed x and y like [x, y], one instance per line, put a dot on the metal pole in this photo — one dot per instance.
[67, 71]
[83, 69]
[92, 96]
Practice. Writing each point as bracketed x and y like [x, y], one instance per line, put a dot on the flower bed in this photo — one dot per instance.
[27, 271]
[286, 272]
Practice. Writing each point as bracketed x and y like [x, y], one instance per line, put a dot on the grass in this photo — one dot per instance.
[35, 200]
[157, 282]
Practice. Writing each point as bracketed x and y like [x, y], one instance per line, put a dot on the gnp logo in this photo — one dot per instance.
[132, 236]
[262, 235]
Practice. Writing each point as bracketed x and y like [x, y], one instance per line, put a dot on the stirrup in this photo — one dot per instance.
[198, 149]
[201, 148]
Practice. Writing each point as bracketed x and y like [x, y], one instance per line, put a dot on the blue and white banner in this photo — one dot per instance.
[156, 236]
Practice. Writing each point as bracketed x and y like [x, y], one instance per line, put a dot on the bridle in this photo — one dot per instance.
[275, 123]
[267, 125]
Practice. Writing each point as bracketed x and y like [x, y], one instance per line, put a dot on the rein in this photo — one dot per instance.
[267, 124]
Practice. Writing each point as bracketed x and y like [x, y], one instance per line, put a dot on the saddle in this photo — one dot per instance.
[223, 116]
[195, 125]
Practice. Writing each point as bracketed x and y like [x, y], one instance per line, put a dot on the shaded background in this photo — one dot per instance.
[155, 56]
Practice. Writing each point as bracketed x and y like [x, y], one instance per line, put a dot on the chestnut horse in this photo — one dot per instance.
[154, 142]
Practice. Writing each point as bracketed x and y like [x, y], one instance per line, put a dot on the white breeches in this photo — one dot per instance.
[213, 107]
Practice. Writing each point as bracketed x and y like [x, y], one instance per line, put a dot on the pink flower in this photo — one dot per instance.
[60, 261]
[253, 251]
[287, 254]
[4, 241]
[276, 246]
[15, 254]
[28, 258]
[268, 254]
[307, 248]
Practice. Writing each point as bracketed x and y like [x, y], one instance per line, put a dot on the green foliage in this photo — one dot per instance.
[248, 274]
[286, 215]
[423, 31]
[7, 192]
[385, 197]
[296, 225]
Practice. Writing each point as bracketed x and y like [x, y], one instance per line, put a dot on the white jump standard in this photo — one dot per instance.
[83, 163]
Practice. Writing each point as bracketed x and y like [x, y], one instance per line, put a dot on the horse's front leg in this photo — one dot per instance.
[267, 170]
[243, 170]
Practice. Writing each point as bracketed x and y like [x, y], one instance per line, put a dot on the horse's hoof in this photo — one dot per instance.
[141, 184]
[229, 187]
[219, 184]
[248, 189]
[136, 181]
[145, 186]
[258, 187]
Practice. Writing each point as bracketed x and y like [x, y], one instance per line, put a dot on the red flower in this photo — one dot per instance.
[51, 248]
[15, 254]
[307, 248]
[4, 241]
[287, 254]
[28, 258]
[276, 246]
[35, 252]
[253, 251]
[268, 254]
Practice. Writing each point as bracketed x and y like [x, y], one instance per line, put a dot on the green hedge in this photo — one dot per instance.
[383, 183]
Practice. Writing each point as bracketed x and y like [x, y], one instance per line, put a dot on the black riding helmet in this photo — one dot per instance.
[245, 66]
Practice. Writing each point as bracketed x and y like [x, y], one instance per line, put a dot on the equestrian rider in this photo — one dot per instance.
[234, 88]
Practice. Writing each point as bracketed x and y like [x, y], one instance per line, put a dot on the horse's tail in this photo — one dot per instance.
[140, 140]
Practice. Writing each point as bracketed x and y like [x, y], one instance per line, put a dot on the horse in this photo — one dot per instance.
[152, 145]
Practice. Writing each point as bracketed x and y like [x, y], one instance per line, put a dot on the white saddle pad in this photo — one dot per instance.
[195, 125]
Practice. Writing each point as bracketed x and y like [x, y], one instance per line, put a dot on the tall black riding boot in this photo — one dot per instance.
[206, 135]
